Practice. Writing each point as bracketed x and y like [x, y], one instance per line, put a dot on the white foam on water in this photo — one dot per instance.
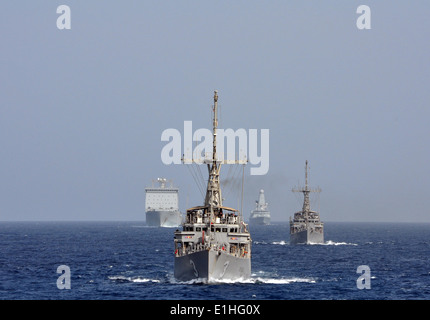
[327, 243]
[333, 243]
[282, 280]
[282, 243]
[132, 279]
[259, 242]
[256, 278]
[252, 280]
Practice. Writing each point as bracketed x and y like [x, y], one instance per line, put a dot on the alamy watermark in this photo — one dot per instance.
[64, 20]
[363, 21]
[246, 151]
[363, 281]
[63, 281]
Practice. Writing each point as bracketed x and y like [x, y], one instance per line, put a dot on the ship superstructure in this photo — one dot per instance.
[260, 215]
[162, 205]
[214, 243]
[306, 226]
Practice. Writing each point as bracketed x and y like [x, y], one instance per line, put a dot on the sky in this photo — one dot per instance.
[82, 110]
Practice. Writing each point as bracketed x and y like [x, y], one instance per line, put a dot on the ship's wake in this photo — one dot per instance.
[253, 280]
[123, 279]
[326, 243]
[259, 277]
[263, 280]
[282, 242]
[333, 243]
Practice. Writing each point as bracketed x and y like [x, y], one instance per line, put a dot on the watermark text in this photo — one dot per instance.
[252, 147]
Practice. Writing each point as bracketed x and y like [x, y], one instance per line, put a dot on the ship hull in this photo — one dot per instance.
[212, 266]
[168, 219]
[307, 236]
[259, 221]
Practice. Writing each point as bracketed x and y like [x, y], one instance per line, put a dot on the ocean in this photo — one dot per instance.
[130, 261]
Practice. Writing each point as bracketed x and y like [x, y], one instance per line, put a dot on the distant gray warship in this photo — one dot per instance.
[214, 243]
[162, 205]
[306, 226]
[260, 215]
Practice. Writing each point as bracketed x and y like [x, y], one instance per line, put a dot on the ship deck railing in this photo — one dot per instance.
[208, 220]
[234, 250]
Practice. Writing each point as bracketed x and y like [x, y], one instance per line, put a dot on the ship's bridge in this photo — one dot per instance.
[223, 230]
[222, 215]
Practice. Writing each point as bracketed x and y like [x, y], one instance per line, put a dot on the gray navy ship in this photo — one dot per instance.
[214, 244]
[260, 215]
[306, 226]
[161, 205]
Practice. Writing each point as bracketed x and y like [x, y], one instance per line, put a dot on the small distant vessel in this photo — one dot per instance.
[306, 226]
[214, 243]
[260, 215]
[161, 205]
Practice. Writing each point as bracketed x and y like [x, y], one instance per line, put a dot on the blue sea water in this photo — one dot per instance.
[127, 260]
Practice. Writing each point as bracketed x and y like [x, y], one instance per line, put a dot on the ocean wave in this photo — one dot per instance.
[132, 279]
[282, 242]
[259, 280]
[333, 243]
[259, 242]
[252, 280]
[281, 280]
[327, 243]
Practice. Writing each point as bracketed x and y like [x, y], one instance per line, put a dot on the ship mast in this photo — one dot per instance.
[213, 197]
[306, 191]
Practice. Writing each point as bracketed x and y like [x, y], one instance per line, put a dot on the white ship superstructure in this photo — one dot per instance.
[162, 205]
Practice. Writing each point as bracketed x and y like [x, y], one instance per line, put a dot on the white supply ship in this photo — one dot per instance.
[162, 205]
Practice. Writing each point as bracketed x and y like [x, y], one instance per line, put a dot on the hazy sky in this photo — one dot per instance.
[82, 110]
